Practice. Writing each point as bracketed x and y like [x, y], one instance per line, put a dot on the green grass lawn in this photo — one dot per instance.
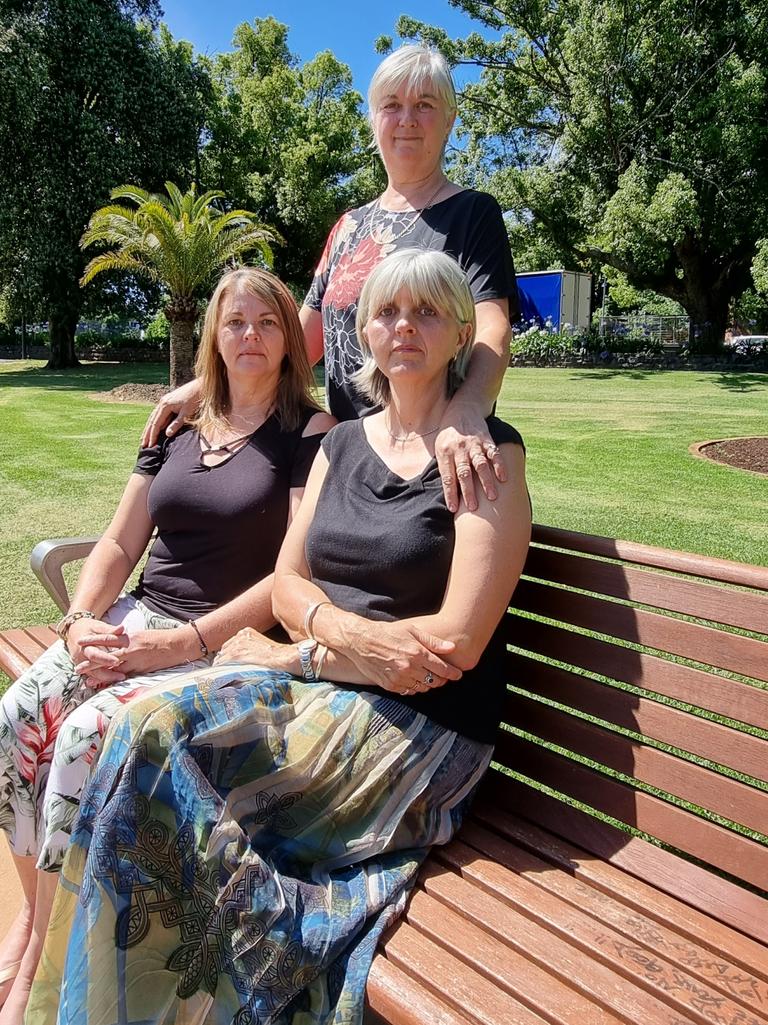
[607, 453]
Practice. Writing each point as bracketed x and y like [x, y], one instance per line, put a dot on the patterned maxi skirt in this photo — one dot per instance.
[242, 843]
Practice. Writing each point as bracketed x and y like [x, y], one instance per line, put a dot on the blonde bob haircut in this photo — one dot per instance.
[419, 70]
[430, 277]
[294, 390]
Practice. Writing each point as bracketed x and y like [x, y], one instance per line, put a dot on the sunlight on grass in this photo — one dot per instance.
[607, 454]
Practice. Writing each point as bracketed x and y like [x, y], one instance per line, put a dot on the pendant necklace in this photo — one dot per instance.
[374, 230]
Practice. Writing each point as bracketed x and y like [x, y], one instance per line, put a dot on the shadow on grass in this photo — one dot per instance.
[87, 377]
[742, 382]
[610, 372]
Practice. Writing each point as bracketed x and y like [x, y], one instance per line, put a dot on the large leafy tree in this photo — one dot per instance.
[90, 96]
[179, 241]
[631, 134]
[288, 141]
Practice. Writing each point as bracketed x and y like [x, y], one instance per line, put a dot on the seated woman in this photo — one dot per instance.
[249, 831]
[206, 492]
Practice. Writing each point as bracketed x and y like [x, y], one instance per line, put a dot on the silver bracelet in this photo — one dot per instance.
[309, 615]
[322, 652]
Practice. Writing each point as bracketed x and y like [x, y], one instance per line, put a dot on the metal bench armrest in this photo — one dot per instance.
[48, 557]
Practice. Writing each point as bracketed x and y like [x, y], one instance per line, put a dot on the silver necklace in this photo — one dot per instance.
[410, 437]
[374, 229]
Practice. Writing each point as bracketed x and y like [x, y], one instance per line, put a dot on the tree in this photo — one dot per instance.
[288, 141]
[179, 241]
[81, 84]
[626, 133]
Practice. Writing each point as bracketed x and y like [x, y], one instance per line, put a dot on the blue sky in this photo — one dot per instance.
[347, 27]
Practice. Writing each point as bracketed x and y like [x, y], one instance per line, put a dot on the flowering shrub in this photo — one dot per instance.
[543, 344]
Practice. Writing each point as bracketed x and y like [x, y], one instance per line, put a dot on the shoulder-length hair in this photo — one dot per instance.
[430, 277]
[416, 68]
[294, 389]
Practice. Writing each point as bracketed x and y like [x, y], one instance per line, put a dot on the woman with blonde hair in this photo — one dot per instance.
[251, 829]
[237, 474]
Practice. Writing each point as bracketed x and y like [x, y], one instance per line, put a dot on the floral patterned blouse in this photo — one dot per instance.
[467, 225]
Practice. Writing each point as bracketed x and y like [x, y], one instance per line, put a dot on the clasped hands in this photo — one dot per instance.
[104, 654]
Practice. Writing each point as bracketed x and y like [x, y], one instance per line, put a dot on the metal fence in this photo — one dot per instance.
[671, 331]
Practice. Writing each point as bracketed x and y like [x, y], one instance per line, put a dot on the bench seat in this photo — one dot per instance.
[512, 924]
[614, 867]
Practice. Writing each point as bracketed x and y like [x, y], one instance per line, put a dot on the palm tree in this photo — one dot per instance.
[180, 241]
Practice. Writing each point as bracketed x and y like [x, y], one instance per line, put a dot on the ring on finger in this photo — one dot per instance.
[491, 450]
[429, 679]
[477, 458]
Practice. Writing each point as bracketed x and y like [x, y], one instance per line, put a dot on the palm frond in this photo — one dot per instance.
[117, 260]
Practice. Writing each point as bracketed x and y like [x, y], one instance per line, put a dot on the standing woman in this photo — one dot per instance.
[412, 108]
[251, 829]
[219, 496]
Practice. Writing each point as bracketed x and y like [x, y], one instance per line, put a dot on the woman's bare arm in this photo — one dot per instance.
[362, 651]
[462, 445]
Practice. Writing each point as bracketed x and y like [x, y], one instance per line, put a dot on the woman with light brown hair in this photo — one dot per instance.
[232, 478]
[251, 829]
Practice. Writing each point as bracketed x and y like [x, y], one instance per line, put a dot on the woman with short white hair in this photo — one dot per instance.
[412, 109]
[250, 831]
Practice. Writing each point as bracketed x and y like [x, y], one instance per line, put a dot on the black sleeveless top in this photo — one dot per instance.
[381, 547]
[219, 528]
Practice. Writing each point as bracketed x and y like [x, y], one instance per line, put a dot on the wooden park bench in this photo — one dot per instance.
[614, 868]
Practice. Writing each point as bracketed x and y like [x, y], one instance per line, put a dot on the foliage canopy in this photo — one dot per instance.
[626, 133]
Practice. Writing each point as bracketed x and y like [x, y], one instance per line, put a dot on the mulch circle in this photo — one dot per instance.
[742, 453]
[134, 393]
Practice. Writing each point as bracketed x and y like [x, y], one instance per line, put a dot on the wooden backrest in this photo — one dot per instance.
[637, 718]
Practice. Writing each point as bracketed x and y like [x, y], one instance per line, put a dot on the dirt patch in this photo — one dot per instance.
[150, 393]
[743, 453]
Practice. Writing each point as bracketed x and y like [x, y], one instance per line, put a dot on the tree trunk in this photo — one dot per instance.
[62, 323]
[708, 311]
[182, 351]
[709, 288]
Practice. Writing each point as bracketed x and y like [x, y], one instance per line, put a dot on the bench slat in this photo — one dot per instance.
[722, 570]
[18, 650]
[714, 971]
[547, 931]
[44, 635]
[453, 981]
[396, 999]
[696, 784]
[702, 737]
[681, 829]
[701, 889]
[730, 698]
[617, 884]
[743, 609]
[484, 950]
[704, 644]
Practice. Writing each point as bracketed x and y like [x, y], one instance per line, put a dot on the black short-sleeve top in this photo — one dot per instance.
[219, 528]
[382, 547]
[468, 226]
